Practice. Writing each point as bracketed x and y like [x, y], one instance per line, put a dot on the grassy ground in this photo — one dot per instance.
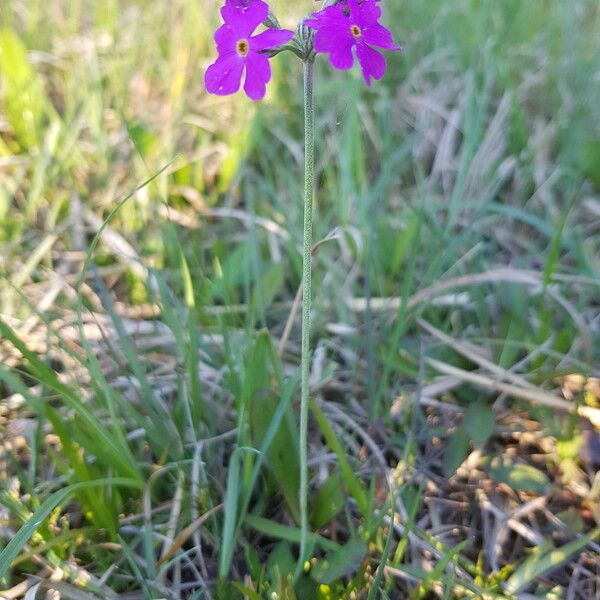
[149, 341]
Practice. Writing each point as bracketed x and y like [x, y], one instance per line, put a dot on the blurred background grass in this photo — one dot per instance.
[459, 204]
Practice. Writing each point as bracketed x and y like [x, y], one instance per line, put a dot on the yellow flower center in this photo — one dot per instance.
[242, 48]
[356, 31]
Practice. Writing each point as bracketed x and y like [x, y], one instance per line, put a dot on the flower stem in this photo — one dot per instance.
[309, 167]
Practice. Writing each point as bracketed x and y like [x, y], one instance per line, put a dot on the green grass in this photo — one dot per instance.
[150, 242]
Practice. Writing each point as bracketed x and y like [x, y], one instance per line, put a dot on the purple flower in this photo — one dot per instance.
[239, 50]
[240, 5]
[350, 26]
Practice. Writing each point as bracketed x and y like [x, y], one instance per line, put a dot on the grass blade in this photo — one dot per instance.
[18, 542]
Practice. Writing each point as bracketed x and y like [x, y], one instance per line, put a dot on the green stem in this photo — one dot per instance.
[309, 167]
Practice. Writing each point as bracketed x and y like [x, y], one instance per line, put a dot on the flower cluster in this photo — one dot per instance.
[344, 29]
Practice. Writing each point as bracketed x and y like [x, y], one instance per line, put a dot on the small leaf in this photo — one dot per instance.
[270, 284]
[479, 422]
[351, 481]
[186, 276]
[590, 159]
[340, 562]
[281, 561]
[520, 477]
[248, 593]
[540, 562]
[329, 501]
[291, 534]
[456, 452]
[282, 455]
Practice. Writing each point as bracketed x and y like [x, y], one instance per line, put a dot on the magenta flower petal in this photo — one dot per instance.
[258, 74]
[225, 39]
[224, 76]
[378, 35]
[330, 16]
[341, 57]
[271, 38]
[245, 21]
[240, 5]
[364, 13]
[329, 39]
[372, 63]
[338, 46]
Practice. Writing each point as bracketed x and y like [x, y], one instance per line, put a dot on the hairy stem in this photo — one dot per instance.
[309, 167]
